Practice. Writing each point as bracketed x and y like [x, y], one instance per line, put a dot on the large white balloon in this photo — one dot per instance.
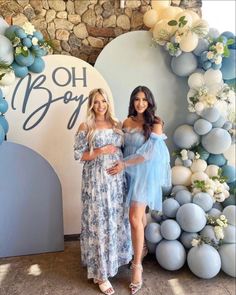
[196, 81]
[230, 154]
[199, 165]
[212, 77]
[181, 175]
[188, 42]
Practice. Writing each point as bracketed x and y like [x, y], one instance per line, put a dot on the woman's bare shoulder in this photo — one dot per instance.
[127, 122]
[82, 127]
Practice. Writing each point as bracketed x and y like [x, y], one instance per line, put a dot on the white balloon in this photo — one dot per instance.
[199, 106]
[181, 175]
[230, 155]
[150, 18]
[188, 42]
[196, 81]
[199, 176]
[212, 77]
[8, 78]
[198, 165]
[212, 170]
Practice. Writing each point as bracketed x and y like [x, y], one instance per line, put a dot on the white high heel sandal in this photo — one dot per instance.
[135, 287]
[105, 287]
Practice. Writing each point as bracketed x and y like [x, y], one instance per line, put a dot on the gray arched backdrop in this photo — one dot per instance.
[31, 218]
[131, 60]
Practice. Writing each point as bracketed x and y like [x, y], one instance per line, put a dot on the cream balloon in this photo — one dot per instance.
[150, 18]
[196, 81]
[188, 42]
[8, 78]
[156, 4]
[181, 175]
[212, 170]
[187, 16]
[162, 31]
[194, 15]
[201, 176]
[198, 165]
[212, 77]
[169, 12]
[230, 155]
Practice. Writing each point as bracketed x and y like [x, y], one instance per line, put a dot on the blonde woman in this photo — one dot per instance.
[105, 236]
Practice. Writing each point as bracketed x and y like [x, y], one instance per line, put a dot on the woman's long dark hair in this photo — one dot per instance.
[149, 115]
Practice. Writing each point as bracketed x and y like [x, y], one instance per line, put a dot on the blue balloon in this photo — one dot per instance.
[2, 134]
[217, 141]
[186, 239]
[191, 118]
[27, 42]
[152, 232]
[218, 206]
[207, 65]
[20, 33]
[202, 45]
[229, 234]
[223, 39]
[185, 137]
[228, 257]
[227, 125]
[204, 261]
[229, 172]
[38, 65]
[20, 71]
[203, 153]
[214, 212]
[170, 207]
[184, 65]
[38, 35]
[202, 126]
[228, 66]
[231, 200]
[151, 247]
[219, 123]
[10, 32]
[24, 60]
[3, 106]
[183, 197]
[215, 66]
[178, 188]
[218, 160]
[209, 233]
[203, 56]
[230, 214]
[213, 33]
[228, 35]
[170, 230]
[204, 200]
[233, 46]
[4, 124]
[210, 114]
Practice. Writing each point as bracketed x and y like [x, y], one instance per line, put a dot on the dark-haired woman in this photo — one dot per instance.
[146, 161]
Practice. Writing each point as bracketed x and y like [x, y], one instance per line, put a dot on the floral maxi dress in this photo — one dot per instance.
[105, 234]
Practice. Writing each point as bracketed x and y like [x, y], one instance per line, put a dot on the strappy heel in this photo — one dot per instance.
[105, 287]
[135, 287]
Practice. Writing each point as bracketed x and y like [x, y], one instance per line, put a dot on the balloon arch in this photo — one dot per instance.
[198, 222]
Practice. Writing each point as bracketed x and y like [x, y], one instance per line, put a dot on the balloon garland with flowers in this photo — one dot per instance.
[21, 52]
[198, 219]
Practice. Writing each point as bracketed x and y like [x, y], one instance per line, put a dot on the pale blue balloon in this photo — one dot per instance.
[230, 214]
[38, 35]
[228, 35]
[191, 218]
[170, 230]
[203, 56]
[3, 106]
[4, 124]
[209, 233]
[20, 33]
[177, 188]
[202, 45]
[170, 255]
[10, 32]
[37, 66]
[207, 65]
[210, 114]
[220, 122]
[204, 200]
[2, 134]
[184, 65]
[204, 261]
[185, 137]
[20, 71]
[229, 171]
[191, 118]
[183, 197]
[229, 234]
[191, 155]
[24, 60]
[151, 247]
[202, 126]
[152, 232]
[6, 51]
[27, 42]
[3, 26]
[213, 33]
[217, 141]
[187, 163]
[186, 239]
[228, 66]
[228, 258]
[214, 212]
[227, 125]
[216, 66]
[218, 160]
[170, 207]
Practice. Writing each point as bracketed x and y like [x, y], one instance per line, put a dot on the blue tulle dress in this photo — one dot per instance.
[146, 179]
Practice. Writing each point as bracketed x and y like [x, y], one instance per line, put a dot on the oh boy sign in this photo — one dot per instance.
[45, 112]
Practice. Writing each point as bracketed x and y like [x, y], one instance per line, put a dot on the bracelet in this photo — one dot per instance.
[124, 164]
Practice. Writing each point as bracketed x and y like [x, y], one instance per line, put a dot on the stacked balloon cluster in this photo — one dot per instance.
[198, 219]
[21, 51]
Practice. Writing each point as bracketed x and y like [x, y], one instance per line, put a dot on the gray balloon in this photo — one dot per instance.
[228, 256]
[185, 137]
[170, 230]
[186, 239]
[230, 213]
[183, 197]
[170, 207]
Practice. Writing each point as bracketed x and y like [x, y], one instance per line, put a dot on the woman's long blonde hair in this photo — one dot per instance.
[91, 118]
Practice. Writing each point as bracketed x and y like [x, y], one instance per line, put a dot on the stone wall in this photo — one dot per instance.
[82, 27]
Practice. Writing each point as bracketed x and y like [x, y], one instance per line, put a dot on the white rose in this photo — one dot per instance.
[210, 54]
[219, 48]
[28, 28]
[35, 41]
[184, 154]
[218, 60]
[195, 242]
